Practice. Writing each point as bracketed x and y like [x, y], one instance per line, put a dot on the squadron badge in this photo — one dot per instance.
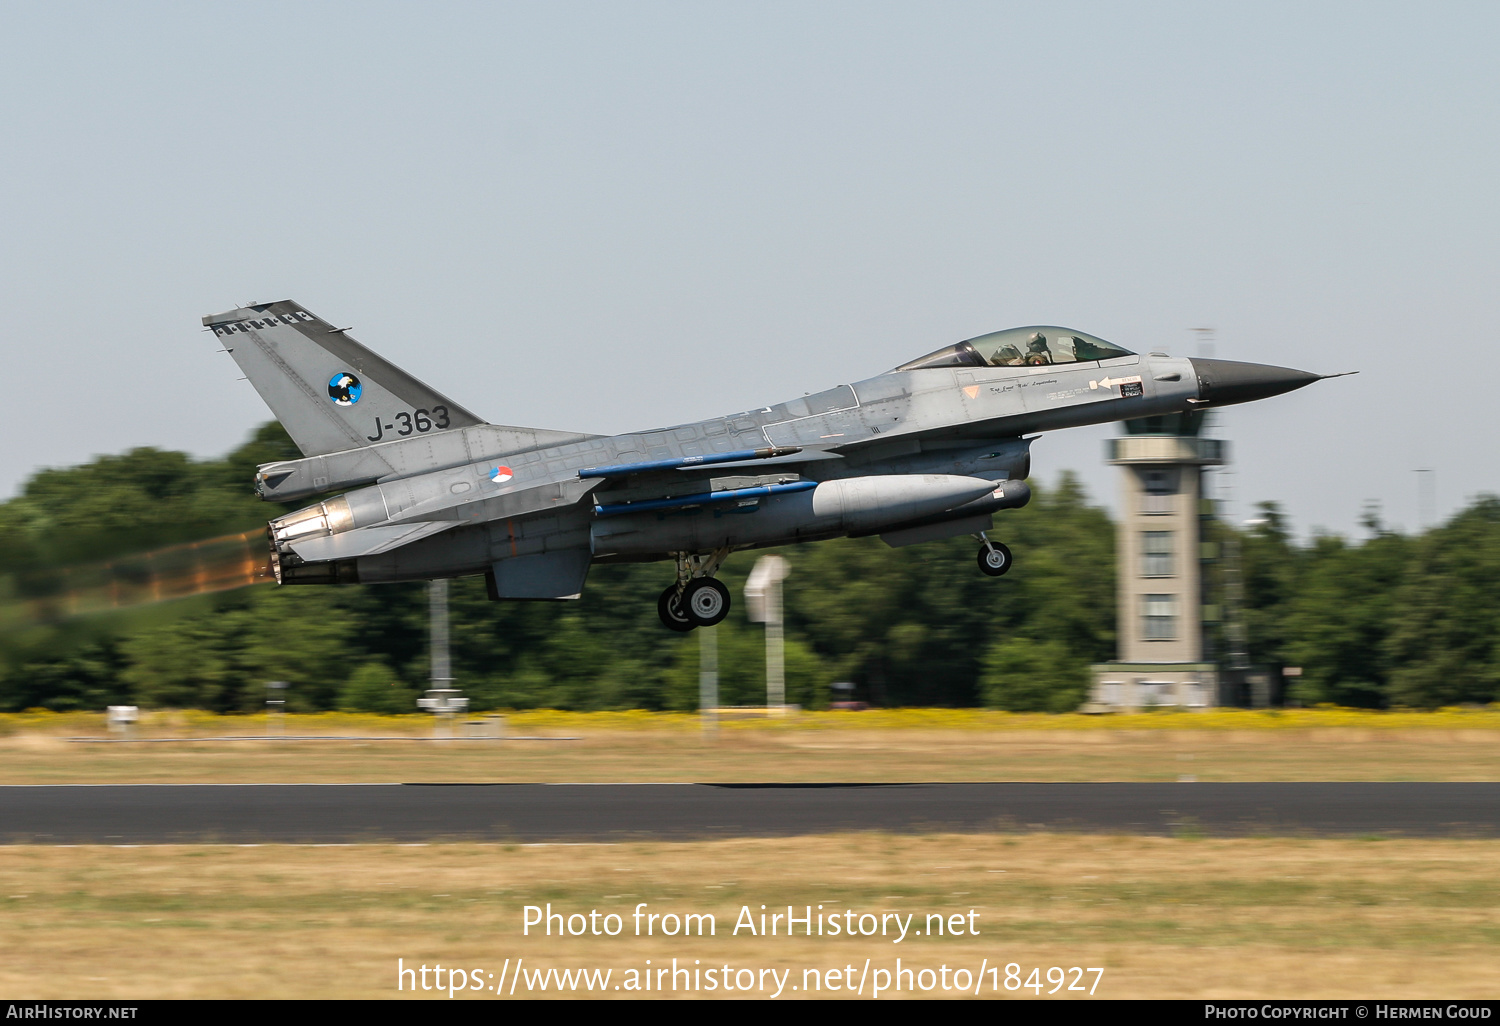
[344, 389]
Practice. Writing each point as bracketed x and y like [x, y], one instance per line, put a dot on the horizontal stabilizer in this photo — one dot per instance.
[366, 541]
[551, 496]
[404, 457]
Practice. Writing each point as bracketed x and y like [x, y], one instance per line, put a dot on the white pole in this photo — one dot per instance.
[775, 651]
[763, 595]
[442, 668]
[708, 678]
[437, 609]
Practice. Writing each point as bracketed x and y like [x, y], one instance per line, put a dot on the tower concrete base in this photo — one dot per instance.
[1119, 687]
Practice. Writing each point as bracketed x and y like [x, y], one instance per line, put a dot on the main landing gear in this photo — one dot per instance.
[669, 608]
[994, 558]
[697, 599]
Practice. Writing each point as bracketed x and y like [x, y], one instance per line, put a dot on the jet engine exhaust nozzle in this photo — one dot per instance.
[319, 521]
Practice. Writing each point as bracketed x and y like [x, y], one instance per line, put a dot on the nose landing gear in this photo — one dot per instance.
[697, 599]
[994, 558]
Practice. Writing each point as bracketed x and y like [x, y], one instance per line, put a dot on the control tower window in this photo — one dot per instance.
[1160, 482]
[1159, 617]
[1156, 554]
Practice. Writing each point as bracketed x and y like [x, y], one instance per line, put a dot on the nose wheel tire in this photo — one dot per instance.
[669, 608]
[994, 559]
[705, 601]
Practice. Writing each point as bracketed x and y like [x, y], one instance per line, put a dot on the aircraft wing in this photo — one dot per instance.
[706, 479]
[631, 487]
[568, 488]
[366, 541]
[539, 498]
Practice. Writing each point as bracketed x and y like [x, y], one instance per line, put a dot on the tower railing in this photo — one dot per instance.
[1207, 452]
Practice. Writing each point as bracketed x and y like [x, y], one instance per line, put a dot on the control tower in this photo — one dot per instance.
[1160, 556]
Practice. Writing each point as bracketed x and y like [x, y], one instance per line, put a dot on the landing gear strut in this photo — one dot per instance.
[994, 558]
[697, 599]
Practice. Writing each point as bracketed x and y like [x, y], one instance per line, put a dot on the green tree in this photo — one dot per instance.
[1021, 675]
[1444, 640]
[138, 500]
[1337, 621]
[1382, 621]
[306, 636]
[742, 669]
[1270, 565]
[86, 678]
[911, 625]
[374, 687]
[222, 658]
[184, 665]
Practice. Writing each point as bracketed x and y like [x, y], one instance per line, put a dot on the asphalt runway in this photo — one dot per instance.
[528, 813]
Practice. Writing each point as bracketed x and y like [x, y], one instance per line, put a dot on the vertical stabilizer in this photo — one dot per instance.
[328, 391]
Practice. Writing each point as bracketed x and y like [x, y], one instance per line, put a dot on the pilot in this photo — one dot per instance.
[1007, 356]
[1037, 353]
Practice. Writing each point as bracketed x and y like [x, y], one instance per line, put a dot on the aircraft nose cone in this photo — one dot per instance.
[1223, 382]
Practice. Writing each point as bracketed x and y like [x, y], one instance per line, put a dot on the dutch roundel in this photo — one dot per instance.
[500, 475]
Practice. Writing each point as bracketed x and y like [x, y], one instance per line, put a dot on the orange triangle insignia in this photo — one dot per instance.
[972, 391]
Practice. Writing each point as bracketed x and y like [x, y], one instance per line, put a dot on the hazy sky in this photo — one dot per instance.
[613, 216]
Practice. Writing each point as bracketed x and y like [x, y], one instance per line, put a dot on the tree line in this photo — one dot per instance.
[1386, 620]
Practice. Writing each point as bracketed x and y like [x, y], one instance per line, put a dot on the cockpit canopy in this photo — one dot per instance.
[1036, 346]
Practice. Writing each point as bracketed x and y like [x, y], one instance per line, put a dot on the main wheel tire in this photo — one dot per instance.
[669, 608]
[994, 559]
[705, 601]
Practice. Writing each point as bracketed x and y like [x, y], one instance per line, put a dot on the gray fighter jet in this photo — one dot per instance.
[928, 450]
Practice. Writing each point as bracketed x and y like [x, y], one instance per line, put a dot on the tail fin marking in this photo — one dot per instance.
[329, 392]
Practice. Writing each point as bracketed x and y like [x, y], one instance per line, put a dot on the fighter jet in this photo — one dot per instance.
[928, 450]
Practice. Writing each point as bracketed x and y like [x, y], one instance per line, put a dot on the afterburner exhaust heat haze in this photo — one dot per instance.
[928, 450]
[178, 571]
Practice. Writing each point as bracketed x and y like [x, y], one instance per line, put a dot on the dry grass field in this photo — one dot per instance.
[898, 745]
[1163, 917]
